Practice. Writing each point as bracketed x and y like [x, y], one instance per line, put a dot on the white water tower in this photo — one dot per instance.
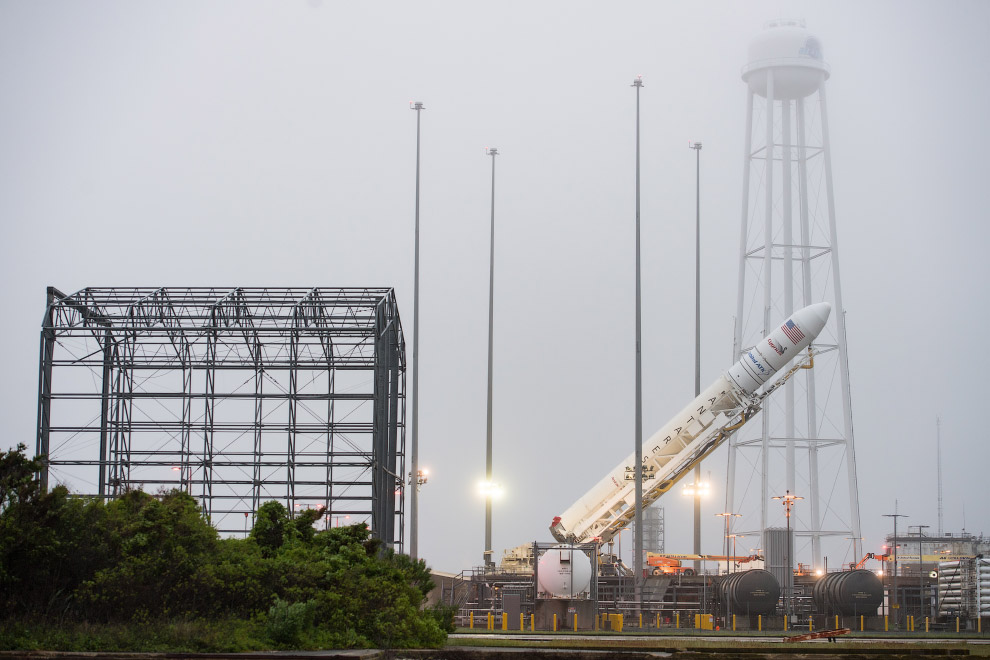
[789, 258]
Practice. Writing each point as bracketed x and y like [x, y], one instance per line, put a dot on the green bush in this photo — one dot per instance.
[145, 572]
[444, 616]
[287, 621]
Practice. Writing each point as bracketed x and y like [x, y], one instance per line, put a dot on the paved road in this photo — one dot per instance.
[536, 637]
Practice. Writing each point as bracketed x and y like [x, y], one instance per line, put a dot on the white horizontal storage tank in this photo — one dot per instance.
[983, 587]
[964, 587]
[564, 572]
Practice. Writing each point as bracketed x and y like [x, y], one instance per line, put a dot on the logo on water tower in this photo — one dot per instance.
[812, 48]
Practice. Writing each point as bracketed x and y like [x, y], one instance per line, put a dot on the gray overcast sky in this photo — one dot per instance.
[270, 144]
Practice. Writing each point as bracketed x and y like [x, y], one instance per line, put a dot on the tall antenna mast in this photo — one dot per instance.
[938, 445]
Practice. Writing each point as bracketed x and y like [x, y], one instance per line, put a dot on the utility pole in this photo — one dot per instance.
[728, 516]
[921, 569]
[788, 501]
[893, 603]
[938, 452]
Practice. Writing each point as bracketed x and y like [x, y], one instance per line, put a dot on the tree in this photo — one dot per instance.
[269, 527]
[162, 548]
[18, 482]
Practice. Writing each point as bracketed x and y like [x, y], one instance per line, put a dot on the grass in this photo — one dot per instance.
[183, 636]
[177, 636]
[231, 636]
[692, 640]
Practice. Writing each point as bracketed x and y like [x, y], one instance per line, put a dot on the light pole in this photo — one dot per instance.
[493, 152]
[728, 516]
[734, 537]
[414, 434]
[698, 490]
[788, 501]
[336, 520]
[697, 331]
[638, 447]
[921, 571]
[894, 605]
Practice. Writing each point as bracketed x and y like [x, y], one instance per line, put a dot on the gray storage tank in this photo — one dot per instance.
[750, 592]
[848, 593]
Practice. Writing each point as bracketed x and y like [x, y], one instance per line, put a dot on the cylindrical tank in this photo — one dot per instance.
[564, 572]
[848, 593]
[794, 55]
[750, 592]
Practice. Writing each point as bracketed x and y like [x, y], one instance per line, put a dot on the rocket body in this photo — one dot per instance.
[691, 434]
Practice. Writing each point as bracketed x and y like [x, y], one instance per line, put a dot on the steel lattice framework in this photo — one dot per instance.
[789, 258]
[237, 395]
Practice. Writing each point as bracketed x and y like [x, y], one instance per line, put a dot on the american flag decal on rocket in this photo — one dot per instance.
[792, 331]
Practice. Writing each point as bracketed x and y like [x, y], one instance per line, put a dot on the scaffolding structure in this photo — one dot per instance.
[653, 529]
[237, 396]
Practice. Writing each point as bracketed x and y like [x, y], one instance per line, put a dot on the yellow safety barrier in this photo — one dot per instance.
[532, 622]
[522, 622]
[785, 622]
[836, 621]
[575, 622]
[471, 620]
[505, 621]
[759, 623]
[641, 620]
[491, 621]
[886, 623]
[957, 624]
[677, 620]
[555, 623]
[862, 623]
[733, 623]
[926, 624]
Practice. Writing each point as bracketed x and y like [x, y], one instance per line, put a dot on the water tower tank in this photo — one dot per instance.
[794, 55]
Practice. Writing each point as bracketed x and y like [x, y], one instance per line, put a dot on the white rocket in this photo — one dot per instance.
[692, 434]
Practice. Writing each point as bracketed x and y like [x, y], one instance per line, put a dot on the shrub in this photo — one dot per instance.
[287, 621]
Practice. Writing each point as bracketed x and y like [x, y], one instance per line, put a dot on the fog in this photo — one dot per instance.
[263, 143]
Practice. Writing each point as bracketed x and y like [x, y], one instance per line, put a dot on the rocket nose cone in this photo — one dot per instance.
[812, 318]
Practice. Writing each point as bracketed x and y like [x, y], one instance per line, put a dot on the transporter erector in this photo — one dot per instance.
[696, 431]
